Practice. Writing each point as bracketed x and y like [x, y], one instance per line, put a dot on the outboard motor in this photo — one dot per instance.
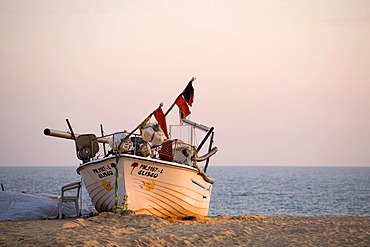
[86, 147]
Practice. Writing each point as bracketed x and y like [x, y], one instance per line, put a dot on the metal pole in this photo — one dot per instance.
[102, 134]
[205, 138]
[209, 149]
[70, 128]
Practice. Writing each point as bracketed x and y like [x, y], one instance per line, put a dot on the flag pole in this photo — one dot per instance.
[133, 131]
[150, 115]
[174, 103]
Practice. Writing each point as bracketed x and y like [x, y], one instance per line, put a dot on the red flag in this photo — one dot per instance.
[161, 119]
[189, 93]
[183, 105]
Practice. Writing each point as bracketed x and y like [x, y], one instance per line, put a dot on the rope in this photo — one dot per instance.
[116, 182]
[81, 189]
[117, 207]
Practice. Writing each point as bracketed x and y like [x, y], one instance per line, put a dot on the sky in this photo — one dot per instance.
[284, 83]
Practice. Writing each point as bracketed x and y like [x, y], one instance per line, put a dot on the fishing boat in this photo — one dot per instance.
[148, 170]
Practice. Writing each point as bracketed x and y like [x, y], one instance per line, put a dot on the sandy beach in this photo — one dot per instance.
[109, 229]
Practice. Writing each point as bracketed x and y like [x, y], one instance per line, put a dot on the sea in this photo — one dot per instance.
[240, 190]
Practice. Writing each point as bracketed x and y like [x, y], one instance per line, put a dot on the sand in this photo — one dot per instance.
[110, 229]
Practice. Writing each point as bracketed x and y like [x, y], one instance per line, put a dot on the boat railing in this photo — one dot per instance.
[177, 151]
[173, 150]
[110, 147]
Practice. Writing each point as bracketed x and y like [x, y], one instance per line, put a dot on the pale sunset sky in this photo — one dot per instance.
[284, 82]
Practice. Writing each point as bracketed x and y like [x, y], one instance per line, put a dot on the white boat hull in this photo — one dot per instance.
[146, 186]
